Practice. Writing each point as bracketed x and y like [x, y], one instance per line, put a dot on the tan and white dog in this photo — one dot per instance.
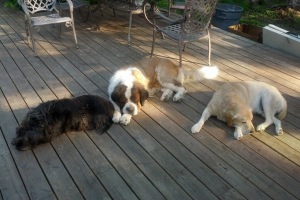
[235, 102]
[131, 86]
[167, 76]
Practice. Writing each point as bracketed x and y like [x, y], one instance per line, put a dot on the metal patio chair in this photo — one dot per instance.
[44, 12]
[133, 7]
[193, 26]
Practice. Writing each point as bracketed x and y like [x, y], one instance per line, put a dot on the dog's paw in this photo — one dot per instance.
[116, 117]
[125, 119]
[177, 99]
[279, 131]
[238, 134]
[196, 128]
[166, 95]
[260, 128]
[179, 95]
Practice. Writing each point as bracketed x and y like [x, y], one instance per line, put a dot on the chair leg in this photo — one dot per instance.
[153, 43]
[184, 46]
[27, 31]
[32, 39]
[180, 52]
[129, 28]
[74, 33]
[100, 8]
[162, 35]
[79, 10]
[209, 47]
[89, 15]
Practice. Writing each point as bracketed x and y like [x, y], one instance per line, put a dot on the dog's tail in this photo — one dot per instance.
[206, 72]
[281, 115]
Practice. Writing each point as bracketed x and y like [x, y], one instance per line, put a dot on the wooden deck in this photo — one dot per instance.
[155, 156]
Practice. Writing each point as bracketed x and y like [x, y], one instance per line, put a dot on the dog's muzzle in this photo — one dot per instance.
[130, 108]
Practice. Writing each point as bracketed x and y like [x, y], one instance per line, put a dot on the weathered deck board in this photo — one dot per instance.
[154, 157]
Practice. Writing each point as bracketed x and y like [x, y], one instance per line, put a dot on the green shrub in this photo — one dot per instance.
[265, 12]
[11, 4]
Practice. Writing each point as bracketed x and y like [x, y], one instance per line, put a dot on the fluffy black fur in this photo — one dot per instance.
[56, 117]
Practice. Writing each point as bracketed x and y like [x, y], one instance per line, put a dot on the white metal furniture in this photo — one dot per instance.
[132, 7]
[44, 12]
[193, 26]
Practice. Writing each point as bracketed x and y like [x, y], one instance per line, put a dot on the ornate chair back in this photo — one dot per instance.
[197, 15]
[34, 6]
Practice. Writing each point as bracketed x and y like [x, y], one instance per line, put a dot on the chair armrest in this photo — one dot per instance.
[160, 14]
[155, 11]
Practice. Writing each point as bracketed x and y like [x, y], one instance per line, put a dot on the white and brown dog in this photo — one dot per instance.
[234, 103]
[127, 91]
[130, 87]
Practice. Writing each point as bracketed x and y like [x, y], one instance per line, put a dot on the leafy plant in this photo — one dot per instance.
[11, 4]
[263, 12]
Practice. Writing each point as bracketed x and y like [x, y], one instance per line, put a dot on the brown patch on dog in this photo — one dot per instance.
[139, 94]
[118, 95]
[228, 115]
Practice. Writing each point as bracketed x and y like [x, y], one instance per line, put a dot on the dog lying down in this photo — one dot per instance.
[130, 87]
[234, 103]
[167, 76]
[56, 117]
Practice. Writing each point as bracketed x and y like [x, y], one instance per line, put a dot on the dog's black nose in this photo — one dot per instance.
[130, 109]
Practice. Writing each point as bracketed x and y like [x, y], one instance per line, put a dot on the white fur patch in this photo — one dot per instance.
[209, 72]
[123, 76]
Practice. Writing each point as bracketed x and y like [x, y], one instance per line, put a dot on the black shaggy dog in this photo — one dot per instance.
[56, 117]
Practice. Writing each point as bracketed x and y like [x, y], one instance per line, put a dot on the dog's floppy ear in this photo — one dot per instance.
[144, 94]
[118, 95]
[229, 117]
[28, 140]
